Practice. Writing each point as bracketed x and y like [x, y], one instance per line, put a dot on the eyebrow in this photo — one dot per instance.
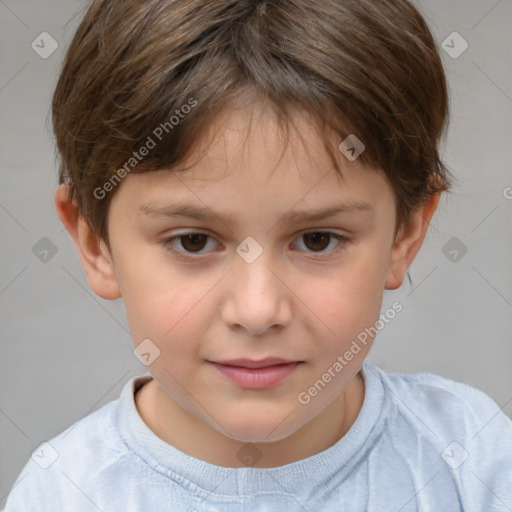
[203, 213]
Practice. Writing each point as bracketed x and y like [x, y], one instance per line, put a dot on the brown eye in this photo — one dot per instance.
[191, 244]
[317, 241]
[194, 245]
[194, 242]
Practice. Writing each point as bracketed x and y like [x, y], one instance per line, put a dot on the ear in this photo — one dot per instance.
[93, 252]
[408, 243]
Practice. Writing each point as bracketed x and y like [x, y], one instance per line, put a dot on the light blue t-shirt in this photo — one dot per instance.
[420, 443]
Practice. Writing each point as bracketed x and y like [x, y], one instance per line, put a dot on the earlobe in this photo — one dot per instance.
[93, 252]
[409, 242]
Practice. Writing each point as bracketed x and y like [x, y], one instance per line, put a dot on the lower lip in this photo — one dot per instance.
[257, 378]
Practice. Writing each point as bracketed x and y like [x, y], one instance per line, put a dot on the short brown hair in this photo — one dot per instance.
[369, 68]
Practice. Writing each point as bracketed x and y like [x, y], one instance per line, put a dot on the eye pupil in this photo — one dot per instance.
[317, 237]
[194, 243]
[194, 240]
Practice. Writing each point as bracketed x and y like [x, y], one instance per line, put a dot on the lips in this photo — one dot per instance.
[251, 363]
[252, 374]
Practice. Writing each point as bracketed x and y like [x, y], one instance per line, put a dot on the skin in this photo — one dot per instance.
[298, 300]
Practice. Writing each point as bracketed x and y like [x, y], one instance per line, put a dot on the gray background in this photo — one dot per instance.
[66, 352]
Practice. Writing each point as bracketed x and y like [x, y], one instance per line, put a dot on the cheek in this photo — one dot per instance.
[166, 313]
[169, 304]
[346, 302]
[167, 307]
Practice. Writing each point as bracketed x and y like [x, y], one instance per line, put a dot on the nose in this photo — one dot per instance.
[258, 298]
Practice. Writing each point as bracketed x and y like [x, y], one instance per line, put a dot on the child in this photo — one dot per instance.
[172, 119]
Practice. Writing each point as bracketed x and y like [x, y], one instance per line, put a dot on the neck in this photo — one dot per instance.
[176, 426]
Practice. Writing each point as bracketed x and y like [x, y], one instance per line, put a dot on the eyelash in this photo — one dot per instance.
[168, 243]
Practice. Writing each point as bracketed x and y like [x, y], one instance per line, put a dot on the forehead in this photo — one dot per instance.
[254, 136]
[245, 163]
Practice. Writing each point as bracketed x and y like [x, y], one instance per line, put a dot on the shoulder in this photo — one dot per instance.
[450, 431]
[89, 448]
[455, 422]
[447, 406]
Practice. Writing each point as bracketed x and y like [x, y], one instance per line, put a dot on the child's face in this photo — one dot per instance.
[302, 299]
